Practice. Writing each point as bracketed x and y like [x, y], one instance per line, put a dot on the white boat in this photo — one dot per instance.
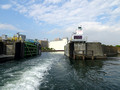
[78, 35]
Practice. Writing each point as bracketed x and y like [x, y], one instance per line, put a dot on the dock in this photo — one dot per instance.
[80, 54]
[84, 50]
[79, 48]
[18, 48]
[4, 58]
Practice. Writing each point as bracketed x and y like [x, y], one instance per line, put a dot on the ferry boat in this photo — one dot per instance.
[78, 35]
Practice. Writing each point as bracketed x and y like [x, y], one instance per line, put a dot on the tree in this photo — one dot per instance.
[117, 45]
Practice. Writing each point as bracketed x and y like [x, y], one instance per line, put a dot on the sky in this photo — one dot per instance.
[50, 19]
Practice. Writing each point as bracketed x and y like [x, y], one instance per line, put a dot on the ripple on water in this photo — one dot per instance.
[29, 79]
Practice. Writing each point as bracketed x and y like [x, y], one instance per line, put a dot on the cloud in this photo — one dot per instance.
[6, 6]
[52, 1]
[10, 27]
[19, 7]
[90, 29]
[70, 11]
[94, 15]
[94, 31]
[94, 26]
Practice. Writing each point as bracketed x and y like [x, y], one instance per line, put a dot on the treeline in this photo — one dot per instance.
[112, 45]
[117, 45]
[46, 49]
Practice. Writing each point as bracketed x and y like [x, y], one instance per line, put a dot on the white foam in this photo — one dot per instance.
[30, 79]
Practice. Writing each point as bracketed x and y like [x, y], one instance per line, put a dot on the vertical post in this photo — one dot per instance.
[22, 50]
[1, 47]
[19, 50]
[74, 55]
[86, 48]
[92, 56]
[83, 55]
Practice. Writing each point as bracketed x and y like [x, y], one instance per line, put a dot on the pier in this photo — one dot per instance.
[80, 54]
[18, 47]
[84, 50]
[79, 48]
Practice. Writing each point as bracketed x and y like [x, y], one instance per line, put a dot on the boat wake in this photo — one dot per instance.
[31, 78]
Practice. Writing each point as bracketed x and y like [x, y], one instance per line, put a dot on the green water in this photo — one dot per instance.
[54, 71]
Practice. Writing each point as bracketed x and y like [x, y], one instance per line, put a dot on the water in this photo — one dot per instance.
[54, 71]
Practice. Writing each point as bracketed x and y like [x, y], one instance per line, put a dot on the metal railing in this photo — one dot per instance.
[83, 53]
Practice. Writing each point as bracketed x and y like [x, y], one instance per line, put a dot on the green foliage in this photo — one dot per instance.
[110, 45]
[47, 49]
[117, 45]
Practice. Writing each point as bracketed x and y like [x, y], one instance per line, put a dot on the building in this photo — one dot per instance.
[4, 37]
[44, 43]
[58, 44]
[23, 37]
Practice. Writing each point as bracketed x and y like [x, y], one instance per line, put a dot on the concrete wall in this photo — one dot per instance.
[110, 50]
[19, 50]
[10, 49]
[118, 50]
[58, 45]
[99, 51]
[80, 46]
[1, 48]
[44, 43]
[67, 50]
[88, 47]
[96, 47]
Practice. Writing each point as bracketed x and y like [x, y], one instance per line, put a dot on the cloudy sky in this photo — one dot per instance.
[100, 19]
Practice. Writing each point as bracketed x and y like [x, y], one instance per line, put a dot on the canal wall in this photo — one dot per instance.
[18, 50]
[67, 50]
[10, 48]
[96, 47]
[86, 50]
[118, 50]
[1, 48]
[7, 51]
[74, 47]
[79, 46]
[7, 48]
[27, 49]
[110, 50]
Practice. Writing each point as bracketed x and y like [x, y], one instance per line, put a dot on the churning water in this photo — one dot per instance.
[54, 71]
